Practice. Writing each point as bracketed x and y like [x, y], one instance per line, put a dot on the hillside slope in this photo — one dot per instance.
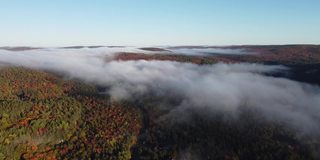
[45, 117]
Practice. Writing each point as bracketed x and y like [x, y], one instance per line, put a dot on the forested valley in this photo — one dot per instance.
[45, 116]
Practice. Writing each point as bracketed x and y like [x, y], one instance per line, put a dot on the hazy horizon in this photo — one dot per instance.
[155, 46]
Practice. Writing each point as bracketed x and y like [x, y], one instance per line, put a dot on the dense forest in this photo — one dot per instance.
[44, 116]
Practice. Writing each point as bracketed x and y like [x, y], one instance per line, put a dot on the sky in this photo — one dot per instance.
[158, 22]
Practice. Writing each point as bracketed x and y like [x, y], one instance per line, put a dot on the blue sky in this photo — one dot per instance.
[158, 22]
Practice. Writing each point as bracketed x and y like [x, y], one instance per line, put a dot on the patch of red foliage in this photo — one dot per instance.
[127, 56]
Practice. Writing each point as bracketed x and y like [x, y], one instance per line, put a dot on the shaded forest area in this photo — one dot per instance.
[203, 134]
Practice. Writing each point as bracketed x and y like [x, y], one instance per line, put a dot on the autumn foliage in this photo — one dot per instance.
[43, 116]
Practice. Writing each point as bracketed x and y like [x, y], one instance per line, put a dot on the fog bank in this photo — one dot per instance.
[219, 87]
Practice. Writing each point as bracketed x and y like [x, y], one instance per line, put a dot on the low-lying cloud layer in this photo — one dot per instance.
[219, 87]
[192, 51]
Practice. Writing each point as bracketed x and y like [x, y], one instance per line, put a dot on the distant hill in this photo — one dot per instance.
[18, 48]
[282, 54]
